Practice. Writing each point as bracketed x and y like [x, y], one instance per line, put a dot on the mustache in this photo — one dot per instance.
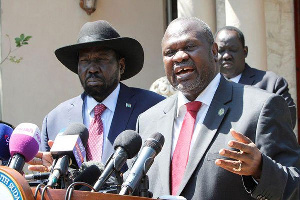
[93, 76]
[184, 63]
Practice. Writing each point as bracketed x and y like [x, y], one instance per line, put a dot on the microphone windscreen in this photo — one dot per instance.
[155, 141]
[5, 134]
[25, 140]
[78, 129]
[88, 173]
[130, 141]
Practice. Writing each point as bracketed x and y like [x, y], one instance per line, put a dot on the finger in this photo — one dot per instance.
[229, 165]
[39, 154]
[237, 155]
[240, 137]
[36, 161]
[38, 168]
[50, 143]
[244, 148]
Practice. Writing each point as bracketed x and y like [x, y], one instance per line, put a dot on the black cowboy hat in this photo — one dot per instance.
[102, 34]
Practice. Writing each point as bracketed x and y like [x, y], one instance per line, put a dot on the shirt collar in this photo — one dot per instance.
[110, 102]
[236, 79]
[205, 96]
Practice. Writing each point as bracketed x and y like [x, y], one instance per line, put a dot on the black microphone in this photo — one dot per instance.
[126, 145]
[68, 150]
[88, 173]
[151, 148]
[38, 176]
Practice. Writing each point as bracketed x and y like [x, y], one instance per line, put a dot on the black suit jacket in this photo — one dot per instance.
[270, 82]
[124, 117]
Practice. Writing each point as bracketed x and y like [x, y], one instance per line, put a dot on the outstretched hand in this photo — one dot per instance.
[42, 161]
[247, 161]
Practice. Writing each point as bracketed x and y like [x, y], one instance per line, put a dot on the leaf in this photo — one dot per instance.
[14, 59]
[24, 42]
[22, 36]
[27, 38]
[18, 39]
[18, 42]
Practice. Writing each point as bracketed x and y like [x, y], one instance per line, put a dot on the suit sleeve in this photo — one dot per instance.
[44, 136]
[281, 88]
[280, 153]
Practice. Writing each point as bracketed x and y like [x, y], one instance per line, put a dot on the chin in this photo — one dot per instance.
[94, 90]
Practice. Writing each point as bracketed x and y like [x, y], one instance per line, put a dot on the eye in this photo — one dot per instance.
[189, 47]
[82, 60]
[169, 53]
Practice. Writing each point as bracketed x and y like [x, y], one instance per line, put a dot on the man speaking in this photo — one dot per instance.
[222, 140]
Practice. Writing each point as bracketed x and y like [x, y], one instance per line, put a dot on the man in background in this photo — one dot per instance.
[232, 55]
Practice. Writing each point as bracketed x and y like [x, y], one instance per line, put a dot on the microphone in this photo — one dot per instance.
[68, 149]
[38, 176]
[5, 133]
[84, 174]
[126, 145]
[23, 145]
[151, 148]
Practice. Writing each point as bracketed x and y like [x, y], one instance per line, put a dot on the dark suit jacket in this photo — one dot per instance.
[270, 82]
[124, 117]
[261, 116]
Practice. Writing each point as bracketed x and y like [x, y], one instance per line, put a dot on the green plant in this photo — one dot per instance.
[20, 41]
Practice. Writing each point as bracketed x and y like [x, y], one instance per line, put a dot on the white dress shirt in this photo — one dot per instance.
[205, 97]
[236, 79]
[110, 102]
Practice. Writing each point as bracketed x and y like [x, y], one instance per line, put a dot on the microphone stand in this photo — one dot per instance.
[118, 180]
[144, 187]
[63, 182]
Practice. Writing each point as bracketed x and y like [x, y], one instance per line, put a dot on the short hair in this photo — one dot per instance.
[238, 32]
[205, 28]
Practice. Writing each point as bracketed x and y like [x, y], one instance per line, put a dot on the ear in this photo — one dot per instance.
[215, 51]
[122, 65]
[246, 51]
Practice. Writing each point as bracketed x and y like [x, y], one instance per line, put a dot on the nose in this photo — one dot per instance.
[93, 68]
[180, 56]
[226, 56]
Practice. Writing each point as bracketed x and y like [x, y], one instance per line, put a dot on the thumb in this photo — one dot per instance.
[50, 143]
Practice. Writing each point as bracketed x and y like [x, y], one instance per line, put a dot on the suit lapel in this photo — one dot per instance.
[75, 110]
[208, 129]
[124, 108]
[248, 76]
[165, 127]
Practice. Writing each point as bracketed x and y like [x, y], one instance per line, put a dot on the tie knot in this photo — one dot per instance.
[193, 106]
[99, 109]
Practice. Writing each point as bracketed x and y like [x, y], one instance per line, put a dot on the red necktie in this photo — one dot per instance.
[181, 152]
[95, 141]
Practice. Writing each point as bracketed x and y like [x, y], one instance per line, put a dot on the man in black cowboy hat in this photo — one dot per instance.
[102, 59]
